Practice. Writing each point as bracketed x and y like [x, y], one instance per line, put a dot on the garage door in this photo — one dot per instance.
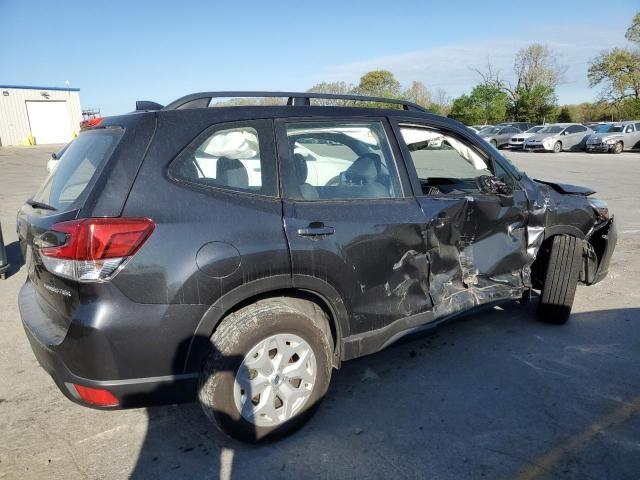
[49, 122]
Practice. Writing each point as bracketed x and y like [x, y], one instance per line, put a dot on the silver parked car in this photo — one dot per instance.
[479, 128]
[557, 137]
[498, 136]
[517, 141]
[615, 137]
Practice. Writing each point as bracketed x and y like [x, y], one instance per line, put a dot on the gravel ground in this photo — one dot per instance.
[494, 394]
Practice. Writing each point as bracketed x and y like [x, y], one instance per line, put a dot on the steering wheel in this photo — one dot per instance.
[334, 182]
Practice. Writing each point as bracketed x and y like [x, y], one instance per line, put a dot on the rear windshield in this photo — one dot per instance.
[77, 166]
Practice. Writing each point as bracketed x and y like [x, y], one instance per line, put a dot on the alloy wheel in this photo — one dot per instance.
[275, 380]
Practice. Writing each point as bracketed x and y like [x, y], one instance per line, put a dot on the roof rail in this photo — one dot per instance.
[202, 100]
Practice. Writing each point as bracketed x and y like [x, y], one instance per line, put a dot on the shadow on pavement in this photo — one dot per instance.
[495, 394]
[14, 258]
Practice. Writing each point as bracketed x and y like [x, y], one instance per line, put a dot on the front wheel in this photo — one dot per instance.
[268, 366]
[557, 147]
[561, 279]
[618, 147]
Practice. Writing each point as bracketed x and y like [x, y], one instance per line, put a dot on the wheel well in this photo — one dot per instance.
[297, 294]
[538, 268]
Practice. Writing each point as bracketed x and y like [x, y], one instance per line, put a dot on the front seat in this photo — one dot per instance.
[307, 191]
[231, 173]
[365, 173]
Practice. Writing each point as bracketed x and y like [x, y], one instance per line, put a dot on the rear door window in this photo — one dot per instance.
[338, 160]
[232, 156]
[65, 187]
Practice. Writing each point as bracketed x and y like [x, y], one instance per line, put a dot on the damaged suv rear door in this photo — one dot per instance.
[475, 213]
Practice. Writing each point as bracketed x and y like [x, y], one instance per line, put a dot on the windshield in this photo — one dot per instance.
[551, 129]
[490, 130]
[612, 129]
[600, 128]
[534, 129]
[77, 166]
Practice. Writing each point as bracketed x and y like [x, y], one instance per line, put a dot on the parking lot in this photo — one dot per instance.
[494, 394]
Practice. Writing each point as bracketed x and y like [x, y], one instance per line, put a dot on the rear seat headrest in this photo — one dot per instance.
[232, 173]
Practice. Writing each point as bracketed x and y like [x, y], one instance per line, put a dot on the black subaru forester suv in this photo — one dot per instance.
[237, 254]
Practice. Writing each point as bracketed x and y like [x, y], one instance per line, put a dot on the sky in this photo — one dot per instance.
[118, 52]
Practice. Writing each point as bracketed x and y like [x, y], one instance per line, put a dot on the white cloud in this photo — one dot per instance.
[450, 67]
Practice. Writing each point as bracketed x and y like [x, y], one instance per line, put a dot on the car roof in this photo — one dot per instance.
[239, 113]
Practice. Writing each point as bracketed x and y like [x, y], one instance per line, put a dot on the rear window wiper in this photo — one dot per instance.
[44, 206]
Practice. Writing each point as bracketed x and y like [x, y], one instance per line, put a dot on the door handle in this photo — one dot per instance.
[316, 229]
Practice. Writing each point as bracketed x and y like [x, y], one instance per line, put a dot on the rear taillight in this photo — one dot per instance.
[92, 249]
[96, 396]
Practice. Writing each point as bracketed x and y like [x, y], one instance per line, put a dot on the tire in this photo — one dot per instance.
[235, 338]
[561, 279]
[557, 147]
[618, 148]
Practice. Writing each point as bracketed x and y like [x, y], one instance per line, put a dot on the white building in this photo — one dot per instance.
[38, 115]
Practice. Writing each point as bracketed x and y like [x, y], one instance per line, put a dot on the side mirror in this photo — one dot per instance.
[565, 133]
[494, 186]
[54, 156]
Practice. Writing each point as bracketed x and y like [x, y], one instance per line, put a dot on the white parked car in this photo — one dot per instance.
[517, 141]
[557, 137]
[55, 158]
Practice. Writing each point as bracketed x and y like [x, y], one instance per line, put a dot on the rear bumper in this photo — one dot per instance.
[52, 343]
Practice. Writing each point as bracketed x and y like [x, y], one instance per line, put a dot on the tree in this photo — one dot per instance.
[618, 71]
[418, 93]
[491, 103]
[633, 32]
[463, 110]
[486, 104]
[537, 73]
[379, 83]
[565, 115]
[536, 65]
[336, 88]
[534, 105]
[442, 102]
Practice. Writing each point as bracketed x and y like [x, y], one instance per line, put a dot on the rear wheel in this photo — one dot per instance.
[268, 366]
[560, 279]
[557, 147]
